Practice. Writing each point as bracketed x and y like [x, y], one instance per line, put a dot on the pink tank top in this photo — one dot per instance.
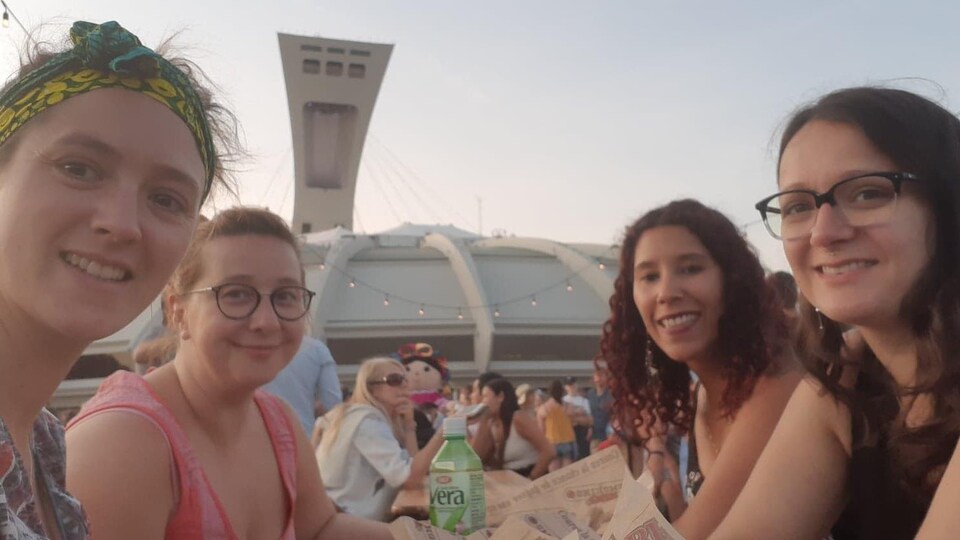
[199, 514]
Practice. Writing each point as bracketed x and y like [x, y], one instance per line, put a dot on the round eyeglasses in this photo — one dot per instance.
[865, 199]
[393, 379]
[239, 301]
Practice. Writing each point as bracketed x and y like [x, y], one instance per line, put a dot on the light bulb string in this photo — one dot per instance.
[7, 10]
[356, 282]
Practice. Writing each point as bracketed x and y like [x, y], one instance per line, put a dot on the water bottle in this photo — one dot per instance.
[457, 500]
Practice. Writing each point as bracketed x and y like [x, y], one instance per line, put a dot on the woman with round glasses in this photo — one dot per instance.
[691, 298]
[195, 449]
[868, 211]
[94, 216]
[368, 451]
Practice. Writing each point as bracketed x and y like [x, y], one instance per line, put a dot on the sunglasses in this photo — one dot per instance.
[393, 379]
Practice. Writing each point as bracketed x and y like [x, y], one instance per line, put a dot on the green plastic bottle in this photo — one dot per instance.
[457, 500]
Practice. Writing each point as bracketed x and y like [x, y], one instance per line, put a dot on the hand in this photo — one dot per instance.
[404, 410]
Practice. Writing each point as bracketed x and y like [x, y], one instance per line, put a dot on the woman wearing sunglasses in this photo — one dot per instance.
[369, 445]
[867, 210]
[195, 450]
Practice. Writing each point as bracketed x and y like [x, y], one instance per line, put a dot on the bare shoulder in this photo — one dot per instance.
[524, 424]
[115, 433]
[118, 466]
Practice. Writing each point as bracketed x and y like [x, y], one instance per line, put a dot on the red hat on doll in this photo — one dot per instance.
[424, 352]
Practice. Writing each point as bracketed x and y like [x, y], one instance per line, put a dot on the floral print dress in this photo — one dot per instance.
[20, 515]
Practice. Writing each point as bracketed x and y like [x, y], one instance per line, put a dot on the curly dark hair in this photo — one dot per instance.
[923, 138]
[752, 329]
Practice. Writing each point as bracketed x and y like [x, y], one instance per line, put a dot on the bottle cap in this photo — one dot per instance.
[455, 426]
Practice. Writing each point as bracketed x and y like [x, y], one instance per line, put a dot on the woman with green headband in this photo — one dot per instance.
[107, 151]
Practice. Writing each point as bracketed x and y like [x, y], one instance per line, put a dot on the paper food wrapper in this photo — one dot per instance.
[636, 516]
[588, 489]
[597, 493]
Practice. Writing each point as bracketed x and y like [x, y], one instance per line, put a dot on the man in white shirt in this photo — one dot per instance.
[581, 417]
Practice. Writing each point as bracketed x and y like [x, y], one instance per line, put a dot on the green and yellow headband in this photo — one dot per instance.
[107, 56]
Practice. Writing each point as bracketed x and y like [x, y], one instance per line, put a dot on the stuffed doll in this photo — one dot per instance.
[427, 374]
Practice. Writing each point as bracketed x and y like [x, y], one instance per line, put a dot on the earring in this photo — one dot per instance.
[819, 318]
[651, 362]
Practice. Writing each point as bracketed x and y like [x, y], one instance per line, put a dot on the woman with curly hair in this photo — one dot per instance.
[867, 210]
[691, 297]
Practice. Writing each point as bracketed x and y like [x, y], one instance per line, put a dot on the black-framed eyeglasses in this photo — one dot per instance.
[393, 379]
[865, 199]
[238, 301]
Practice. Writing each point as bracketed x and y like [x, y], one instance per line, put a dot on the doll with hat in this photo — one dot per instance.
[427, 374]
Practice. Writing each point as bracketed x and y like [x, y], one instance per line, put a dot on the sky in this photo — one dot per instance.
[553, 119]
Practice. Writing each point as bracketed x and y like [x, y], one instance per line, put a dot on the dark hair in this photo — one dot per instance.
[783, 284]
[485, 378]
[752, 330]
[922, 138]
[224, 128]
[507, 408]
[556, 391]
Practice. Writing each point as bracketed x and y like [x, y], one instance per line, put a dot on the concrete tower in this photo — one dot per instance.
[332, 86]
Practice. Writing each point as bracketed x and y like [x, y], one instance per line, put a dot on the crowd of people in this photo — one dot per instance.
[762, 411]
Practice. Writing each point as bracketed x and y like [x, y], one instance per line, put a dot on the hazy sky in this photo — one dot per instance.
[566, 119]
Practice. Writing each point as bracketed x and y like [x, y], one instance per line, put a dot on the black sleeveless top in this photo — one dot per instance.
[694, 476]
[879, 505]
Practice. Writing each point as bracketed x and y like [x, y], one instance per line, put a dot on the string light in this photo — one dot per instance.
[603, 266]
[6, 18]
[323, 266]
[354, 283]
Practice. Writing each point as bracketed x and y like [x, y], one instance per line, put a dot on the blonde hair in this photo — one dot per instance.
[362, 395]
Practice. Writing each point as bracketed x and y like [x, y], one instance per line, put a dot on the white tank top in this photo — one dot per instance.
[518, 453]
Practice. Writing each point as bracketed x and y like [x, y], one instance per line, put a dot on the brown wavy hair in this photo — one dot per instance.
[923, 138]
[751, 329]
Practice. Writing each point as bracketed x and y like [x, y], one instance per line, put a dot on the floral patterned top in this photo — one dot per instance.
[19, 510]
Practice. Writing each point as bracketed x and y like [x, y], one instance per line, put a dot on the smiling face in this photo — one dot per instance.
[246, 352]
[678, 290]
[854, 275]
[99, 197]
[423, 377]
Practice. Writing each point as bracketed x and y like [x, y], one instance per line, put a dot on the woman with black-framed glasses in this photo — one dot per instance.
[369, 451]
[867, 208]
[216, 456]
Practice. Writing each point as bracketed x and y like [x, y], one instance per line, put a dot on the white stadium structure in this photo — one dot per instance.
[531, 309]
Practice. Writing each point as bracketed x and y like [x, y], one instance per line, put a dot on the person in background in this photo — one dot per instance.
[94, 216]
[691, 297]
[195, 449]
[556, 425]
[526, 400]
[786, 288]
[601, 403]
[369, 447]
[868, 211]
[310, 377]
[580, 415]
[475, 390]
[508, 439]
[463, 395]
